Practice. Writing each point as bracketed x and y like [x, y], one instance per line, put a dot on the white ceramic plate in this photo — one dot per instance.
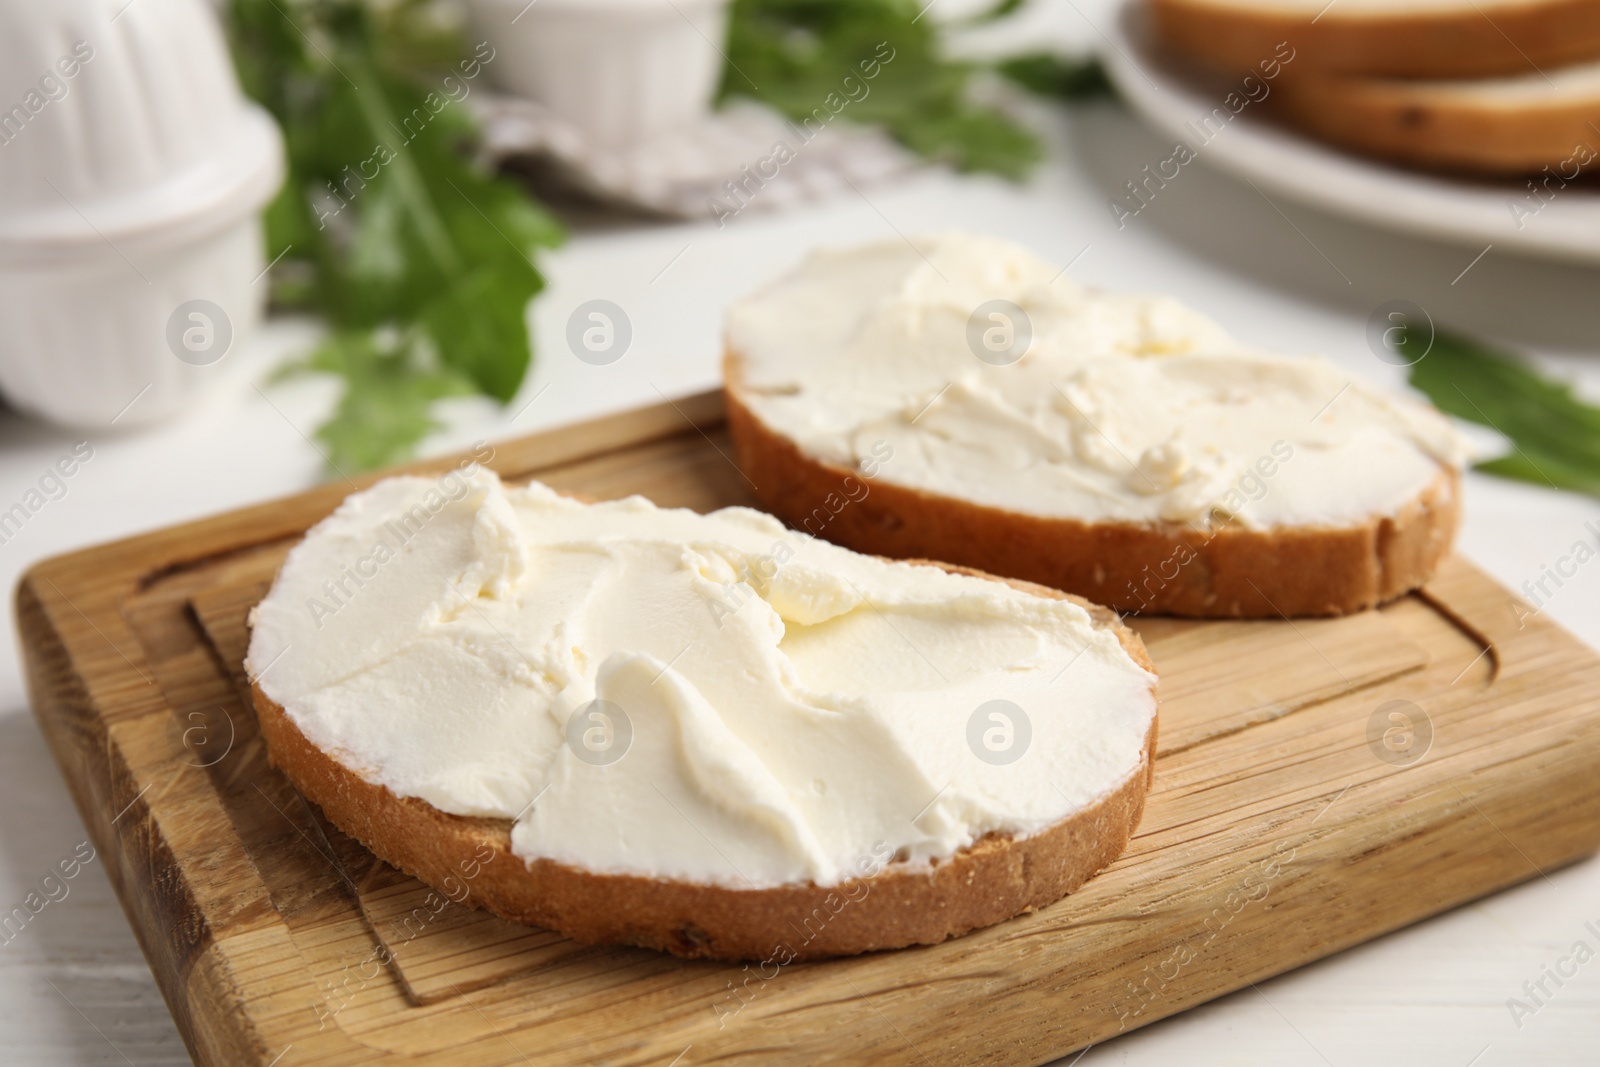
[1567, 226]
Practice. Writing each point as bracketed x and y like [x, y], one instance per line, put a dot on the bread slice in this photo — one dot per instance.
[1493, 126]
[993, 879]
[1397, 38]
[1160, 568]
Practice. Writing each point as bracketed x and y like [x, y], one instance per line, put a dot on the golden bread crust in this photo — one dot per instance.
[1470, 41]
[1163, 568]
[1429, 125]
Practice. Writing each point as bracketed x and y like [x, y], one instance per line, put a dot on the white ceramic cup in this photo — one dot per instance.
[621, 71]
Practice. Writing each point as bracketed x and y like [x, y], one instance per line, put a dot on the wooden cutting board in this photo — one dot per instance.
[1320, 782]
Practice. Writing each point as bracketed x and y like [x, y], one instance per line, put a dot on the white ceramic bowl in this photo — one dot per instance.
[621, 71]
[132, 171]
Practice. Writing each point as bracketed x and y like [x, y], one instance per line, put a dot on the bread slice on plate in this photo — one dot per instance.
[1397, 38]
[1512, 125]
[707, 735]
[956, 398]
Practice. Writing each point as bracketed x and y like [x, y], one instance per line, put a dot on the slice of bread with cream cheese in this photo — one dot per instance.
[957, 398]
[706, 734]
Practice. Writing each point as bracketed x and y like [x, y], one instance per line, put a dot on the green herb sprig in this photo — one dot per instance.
[1048, 74]
[420, 261]
[1555, 436]
[794, 54]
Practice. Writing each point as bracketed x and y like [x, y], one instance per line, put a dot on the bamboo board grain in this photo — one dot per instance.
[1278, 831]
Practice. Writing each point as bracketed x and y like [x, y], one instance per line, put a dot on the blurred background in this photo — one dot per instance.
[252, 245]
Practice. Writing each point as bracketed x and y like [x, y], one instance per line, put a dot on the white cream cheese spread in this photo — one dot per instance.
[997, 380]
[708, 698]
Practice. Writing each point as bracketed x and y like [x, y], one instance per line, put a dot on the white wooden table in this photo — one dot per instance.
[74, 988]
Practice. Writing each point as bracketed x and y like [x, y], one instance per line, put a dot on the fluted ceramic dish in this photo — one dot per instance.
[132, 174]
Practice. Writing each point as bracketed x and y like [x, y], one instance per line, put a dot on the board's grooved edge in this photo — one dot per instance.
[81, 742]
[1459, 620]
[1314, 703]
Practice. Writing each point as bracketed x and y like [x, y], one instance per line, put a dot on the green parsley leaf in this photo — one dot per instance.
[420, 260]
[1048, 74]
[999, 11]
[1555, 436]
[389, 394]
[872, 62]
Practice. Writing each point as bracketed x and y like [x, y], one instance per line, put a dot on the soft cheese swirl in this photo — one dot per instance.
[1119, 408]
[785, 709]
